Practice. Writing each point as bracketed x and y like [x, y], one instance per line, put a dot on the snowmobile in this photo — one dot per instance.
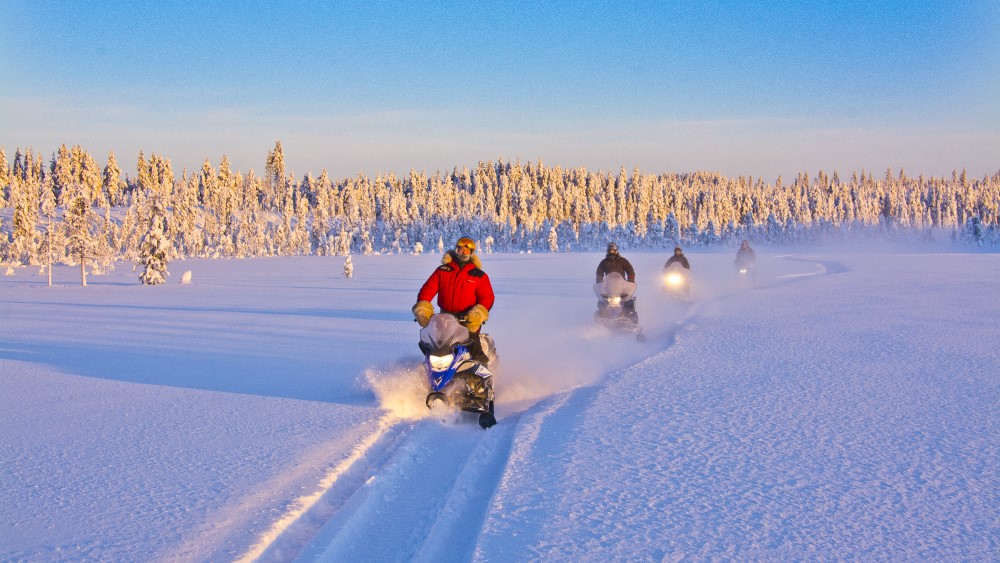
[744, 271]
[616, 306]
[677, 281]
[454, 378]
[744, 265]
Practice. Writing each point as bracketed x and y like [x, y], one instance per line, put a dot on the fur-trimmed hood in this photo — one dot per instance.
[449, 257]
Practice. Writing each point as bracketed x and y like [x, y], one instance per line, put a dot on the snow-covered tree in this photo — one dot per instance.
[274, 182]
[48, 210]
[5, 177]
[154, 250]
[112, 184]
[348, 267]
[366, 244]
[81, 226]
[343, 244]
[24, 196]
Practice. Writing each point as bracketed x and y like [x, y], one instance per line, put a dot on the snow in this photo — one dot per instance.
[841, 406]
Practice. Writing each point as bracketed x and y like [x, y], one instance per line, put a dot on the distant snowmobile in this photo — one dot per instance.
[677, 282]
[453, 377]
[616, 306]
[745, 271]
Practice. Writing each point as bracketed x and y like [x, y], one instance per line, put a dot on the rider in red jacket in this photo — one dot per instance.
[462, 288]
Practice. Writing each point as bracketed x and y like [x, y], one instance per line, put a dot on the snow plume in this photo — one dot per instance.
[579, 355]
[548, 341]
[400, 389]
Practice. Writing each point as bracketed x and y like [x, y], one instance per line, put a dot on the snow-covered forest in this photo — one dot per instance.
[69, 209]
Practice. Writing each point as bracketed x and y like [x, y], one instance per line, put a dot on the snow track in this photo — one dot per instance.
[371, 499]
[308, 513]
[443, 474]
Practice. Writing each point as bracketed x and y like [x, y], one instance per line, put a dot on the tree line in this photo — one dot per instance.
[69, 209]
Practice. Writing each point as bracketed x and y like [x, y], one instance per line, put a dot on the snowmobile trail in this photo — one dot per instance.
[426, 502]
[377, 500]
[309, 513]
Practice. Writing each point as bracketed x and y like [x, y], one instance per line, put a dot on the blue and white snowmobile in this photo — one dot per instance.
[453, 376]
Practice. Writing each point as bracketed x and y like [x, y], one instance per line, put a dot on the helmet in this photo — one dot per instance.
[677, 249]
[466, 242]
[612, 247]
[464, 249]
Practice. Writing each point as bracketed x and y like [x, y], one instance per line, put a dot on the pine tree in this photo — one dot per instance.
[80, 222]
[274, 183]
[5, 177]
[348, 267]
[112, 183]
[62, 170]
[154, 250]
[89, 174]
[343, 242]
[48, 210]
[321, 217]
[24, 196]
[104, 250]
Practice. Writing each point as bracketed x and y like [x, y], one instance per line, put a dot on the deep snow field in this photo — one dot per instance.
[841, 406]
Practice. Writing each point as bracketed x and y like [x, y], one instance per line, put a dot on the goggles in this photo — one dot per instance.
[466, 242]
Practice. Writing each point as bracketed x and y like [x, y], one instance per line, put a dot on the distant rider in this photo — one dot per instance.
[463, 289]
[678, 258]
[616, 263]
[745, 256]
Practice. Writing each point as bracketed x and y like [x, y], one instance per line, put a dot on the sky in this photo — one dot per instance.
[743, 88]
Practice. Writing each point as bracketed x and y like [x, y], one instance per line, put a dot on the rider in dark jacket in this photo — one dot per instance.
[745, 256]
[616, 263]
[678, 257]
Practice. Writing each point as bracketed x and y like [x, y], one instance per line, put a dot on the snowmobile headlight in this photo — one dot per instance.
[743, 270]
[674, 279]
[616, 300]
[441, 362]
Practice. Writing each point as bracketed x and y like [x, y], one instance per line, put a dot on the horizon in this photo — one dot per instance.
[129, 171]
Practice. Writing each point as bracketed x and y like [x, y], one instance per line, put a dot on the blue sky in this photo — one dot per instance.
[743, 88]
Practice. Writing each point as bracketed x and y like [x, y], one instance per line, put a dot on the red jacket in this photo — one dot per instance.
[458, 286]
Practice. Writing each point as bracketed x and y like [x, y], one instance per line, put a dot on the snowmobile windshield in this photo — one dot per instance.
[442, 333]
[614, 285]
[677, 268]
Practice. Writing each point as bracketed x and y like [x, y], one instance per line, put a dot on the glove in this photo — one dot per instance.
[422, 312]
[475, 318]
